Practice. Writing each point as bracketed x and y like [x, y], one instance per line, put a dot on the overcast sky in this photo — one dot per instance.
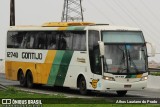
[144, 14]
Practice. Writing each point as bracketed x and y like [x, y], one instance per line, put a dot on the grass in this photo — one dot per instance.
[66, 102]
[11, 92]
[155, 73]
[101, 105]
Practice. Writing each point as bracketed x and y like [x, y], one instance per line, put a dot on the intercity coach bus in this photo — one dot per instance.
[86, 56]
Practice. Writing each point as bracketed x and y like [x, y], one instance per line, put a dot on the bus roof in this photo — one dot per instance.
[66, 24]
[72, 26]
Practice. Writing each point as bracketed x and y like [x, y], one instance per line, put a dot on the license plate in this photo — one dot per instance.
[127, 86]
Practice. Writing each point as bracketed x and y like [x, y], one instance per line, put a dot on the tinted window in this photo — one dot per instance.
[12, 40]
[73, 40]
[79, 41]
[93, 38]
[62, 40]
[52, 40]
[122, 37]
[41, 42]
[95, 62]
[27, 41]
[66, 40]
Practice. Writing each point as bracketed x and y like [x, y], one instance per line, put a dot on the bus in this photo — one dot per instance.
[80, 55]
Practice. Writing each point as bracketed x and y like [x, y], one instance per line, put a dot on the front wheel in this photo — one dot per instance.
[82, 86]
[121, 93]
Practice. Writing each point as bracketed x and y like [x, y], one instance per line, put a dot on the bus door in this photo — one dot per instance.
[96, 69]
[95, 60]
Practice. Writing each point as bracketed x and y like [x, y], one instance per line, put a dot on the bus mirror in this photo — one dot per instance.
[152, 50]
[101, 47]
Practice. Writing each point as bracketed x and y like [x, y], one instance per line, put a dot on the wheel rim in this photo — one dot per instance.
[83, 86]
[22, 79]
[29, 80]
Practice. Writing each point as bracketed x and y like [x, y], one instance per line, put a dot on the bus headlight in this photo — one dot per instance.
[144, 78]
[109, 78]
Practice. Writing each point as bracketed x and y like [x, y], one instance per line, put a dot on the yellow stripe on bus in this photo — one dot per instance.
[139, 76]
[45, 68]
[62, 28]
[50, 56]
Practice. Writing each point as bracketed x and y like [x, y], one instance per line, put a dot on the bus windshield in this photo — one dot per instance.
[122, 37]
[123, 56]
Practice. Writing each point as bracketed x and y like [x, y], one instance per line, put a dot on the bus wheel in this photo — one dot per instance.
[82, 86]
[121, 93]
[22, 79]
[37, 85]
[29, 80]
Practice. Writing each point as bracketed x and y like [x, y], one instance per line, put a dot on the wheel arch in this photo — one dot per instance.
[78, 79]
[27, 71]
[18, 73]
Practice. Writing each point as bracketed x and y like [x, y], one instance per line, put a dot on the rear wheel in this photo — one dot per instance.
[37, 85]
[121, 93]
[29, 80]
[22, 79]
[82, 86]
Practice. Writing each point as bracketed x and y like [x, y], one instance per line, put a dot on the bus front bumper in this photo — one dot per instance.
[113, 85]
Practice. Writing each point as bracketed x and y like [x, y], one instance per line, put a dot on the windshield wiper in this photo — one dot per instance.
[105, 65]
[130, 59]
[120, 69]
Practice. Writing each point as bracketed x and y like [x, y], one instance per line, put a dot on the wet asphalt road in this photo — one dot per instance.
[148, 93]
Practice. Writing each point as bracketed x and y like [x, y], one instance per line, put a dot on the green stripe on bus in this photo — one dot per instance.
[75, 28]
[63, 68]
[55, 67]
[79, 28]
[131, 76]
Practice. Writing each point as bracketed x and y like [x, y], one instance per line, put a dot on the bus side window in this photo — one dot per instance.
[18, 40]
[52, 40]
[32, 41]
[79, 41]
[27, 41]
[95, 64]
[73, 40]
[11, 39]
[65, 42]
[40, 40]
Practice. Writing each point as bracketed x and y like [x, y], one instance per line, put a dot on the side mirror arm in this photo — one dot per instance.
[152, 49]
[101, 48]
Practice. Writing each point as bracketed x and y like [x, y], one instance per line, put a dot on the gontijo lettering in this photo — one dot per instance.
[31, 55]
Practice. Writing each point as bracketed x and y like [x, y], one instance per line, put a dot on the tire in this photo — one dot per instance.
[82, 86]
[37, 85]
[121, 93]
[22, 79]
[29, 80]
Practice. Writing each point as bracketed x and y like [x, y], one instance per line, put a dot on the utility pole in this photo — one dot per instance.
[72, 11]
[12, 13]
